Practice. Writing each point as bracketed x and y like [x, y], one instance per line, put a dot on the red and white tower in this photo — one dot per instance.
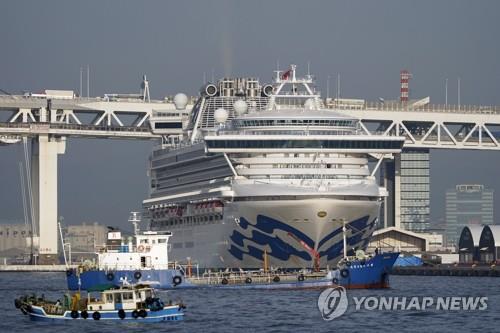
[405, 89]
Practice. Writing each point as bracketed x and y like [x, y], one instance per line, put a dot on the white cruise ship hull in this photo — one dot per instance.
[249, 228]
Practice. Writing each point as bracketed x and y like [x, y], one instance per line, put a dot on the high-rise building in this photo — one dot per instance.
[415, 190]
[467, 205]
[408, 183]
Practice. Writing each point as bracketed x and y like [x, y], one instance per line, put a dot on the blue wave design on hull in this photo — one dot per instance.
[338, 248]
[279, 248]
[262, 234]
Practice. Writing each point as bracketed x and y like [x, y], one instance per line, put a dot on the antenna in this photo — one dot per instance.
[145, 89]
[308, 68]
[458, 88]
[338, 87]
[80, 92]
[446, 92]
[88, 81]
[135, 219]
[328, 87]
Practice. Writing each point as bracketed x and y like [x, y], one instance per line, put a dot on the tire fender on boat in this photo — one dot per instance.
[110, 276]
[135, 314]
[276, 279]
[96, 315]
[176, 280]
[301, 277]
[224, 281]
[137, 275]
[84, 314]
[248, 280]
[335, 281]
[17, 303]
[121, 314]
[344, 273]
[143, 313]
[74, 314]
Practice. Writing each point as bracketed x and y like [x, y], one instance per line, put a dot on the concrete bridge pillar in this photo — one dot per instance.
[44, 181]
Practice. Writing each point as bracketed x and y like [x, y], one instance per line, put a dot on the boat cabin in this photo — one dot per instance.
[126, 298]
[146, 250]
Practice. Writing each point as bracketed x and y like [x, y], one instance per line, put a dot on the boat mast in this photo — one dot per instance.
[344, 232]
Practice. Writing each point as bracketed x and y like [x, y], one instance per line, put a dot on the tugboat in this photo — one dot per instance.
[363, 271]
[142, 258]
[125, 303]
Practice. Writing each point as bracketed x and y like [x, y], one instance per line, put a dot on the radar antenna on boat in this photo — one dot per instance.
[135, 219]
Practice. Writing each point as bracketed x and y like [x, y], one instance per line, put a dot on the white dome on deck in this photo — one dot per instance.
[221, 115]
[180, 101]
[240, 107]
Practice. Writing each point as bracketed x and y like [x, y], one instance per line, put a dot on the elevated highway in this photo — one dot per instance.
[432, 126]
[47, 122]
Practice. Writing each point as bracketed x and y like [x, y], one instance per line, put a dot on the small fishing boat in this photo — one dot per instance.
[134, 303]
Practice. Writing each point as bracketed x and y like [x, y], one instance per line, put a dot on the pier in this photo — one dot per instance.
[448, 270]
[35, 268]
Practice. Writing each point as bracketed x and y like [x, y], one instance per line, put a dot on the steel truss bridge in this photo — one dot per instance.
[49, 122]
[432, 126]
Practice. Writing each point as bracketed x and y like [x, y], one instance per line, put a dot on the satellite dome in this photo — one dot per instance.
[240, 107]
[180, 101]
[220, 116]
[309, 104]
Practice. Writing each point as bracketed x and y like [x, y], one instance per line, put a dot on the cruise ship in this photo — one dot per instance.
[266, 173]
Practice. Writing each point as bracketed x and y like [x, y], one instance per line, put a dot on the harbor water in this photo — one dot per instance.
[216, 310]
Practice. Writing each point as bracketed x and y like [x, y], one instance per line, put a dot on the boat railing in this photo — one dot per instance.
[187, 269]
[241, 276]
[117, 267]
[117, 248]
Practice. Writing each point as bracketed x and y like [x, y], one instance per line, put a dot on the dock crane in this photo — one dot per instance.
[313, 252]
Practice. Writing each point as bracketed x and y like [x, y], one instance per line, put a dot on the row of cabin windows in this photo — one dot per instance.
[338, 155]
[298, 144]
[153, 241]
[295, 122]
[312, 166]
[305, 176]
[192, 220]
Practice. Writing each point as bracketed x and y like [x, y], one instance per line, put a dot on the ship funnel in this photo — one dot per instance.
[267, 90]
[210, 90]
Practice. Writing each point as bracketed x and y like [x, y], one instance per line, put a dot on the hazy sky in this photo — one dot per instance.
[44, 44]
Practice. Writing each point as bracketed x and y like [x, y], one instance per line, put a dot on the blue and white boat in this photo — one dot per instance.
[142, 258]
[364, 272]
[131, 303]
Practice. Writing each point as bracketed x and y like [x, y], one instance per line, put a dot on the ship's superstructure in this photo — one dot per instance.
[258, 164]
